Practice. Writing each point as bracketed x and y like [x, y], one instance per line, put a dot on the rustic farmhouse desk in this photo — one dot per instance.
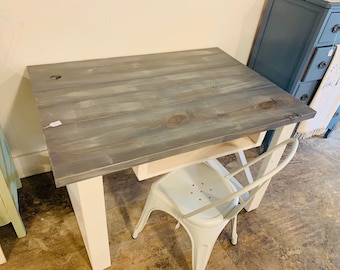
[141, 111]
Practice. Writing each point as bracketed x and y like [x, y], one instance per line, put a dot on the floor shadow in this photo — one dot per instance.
[37, 196]
[170, 242]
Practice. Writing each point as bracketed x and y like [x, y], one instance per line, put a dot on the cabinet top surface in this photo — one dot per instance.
[121, 112]
[325, 3]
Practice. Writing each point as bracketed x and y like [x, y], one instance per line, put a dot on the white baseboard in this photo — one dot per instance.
[32, 163]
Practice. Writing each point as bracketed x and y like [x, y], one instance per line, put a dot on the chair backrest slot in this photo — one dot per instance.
[256, 184]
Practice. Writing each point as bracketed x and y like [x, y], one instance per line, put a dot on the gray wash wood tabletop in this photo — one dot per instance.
[117, 113]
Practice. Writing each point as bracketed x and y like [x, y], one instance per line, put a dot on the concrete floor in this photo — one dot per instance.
[297, 225]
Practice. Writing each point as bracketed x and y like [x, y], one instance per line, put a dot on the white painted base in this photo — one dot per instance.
[159, 167]
[32, 163]
[88, 203]
[271, 162]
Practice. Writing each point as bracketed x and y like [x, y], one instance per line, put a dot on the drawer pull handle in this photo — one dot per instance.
[336, 28]
[322, 65]
[304, 97]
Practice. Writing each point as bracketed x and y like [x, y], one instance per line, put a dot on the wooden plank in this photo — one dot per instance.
[45, 77]
[115, 143]
[97, 101]
[122, 112]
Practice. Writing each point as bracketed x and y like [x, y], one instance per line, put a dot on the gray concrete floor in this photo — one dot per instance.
[297, 225]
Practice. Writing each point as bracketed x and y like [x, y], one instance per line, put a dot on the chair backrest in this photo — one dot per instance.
[253, 187]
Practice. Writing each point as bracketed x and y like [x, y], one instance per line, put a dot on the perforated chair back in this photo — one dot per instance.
[250, 190]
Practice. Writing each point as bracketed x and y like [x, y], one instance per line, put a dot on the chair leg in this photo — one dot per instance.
[148, 208]
[234, 231]
[202, 245]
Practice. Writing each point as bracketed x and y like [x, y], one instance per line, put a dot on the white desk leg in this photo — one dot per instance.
[271, 162]
[88, 203]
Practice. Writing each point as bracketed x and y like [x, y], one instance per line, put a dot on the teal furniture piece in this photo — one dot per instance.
[9, 183]
[294, 45]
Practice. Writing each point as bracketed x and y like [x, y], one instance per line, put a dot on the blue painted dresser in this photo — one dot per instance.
[295, 44]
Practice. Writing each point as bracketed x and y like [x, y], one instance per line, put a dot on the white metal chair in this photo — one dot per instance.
[203, 201]
[9, 183]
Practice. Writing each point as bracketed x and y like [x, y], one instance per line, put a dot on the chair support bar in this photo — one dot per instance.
[259, 182]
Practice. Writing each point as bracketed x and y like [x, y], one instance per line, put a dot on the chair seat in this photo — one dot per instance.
[196, 186]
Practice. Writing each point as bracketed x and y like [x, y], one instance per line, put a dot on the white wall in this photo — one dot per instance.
[41, 31]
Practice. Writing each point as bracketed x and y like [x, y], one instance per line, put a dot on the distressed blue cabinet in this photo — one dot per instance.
[295, 44]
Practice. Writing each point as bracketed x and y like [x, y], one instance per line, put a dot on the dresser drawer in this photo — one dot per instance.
[306, 91]
[319, 63]
[330, 33]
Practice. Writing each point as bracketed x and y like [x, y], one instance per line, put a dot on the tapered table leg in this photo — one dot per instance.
[271, 162]
[88, 203]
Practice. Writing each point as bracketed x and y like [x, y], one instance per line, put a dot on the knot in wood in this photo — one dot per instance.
[267, 105]
[55, 77]
[177, 120]
[292, 116]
